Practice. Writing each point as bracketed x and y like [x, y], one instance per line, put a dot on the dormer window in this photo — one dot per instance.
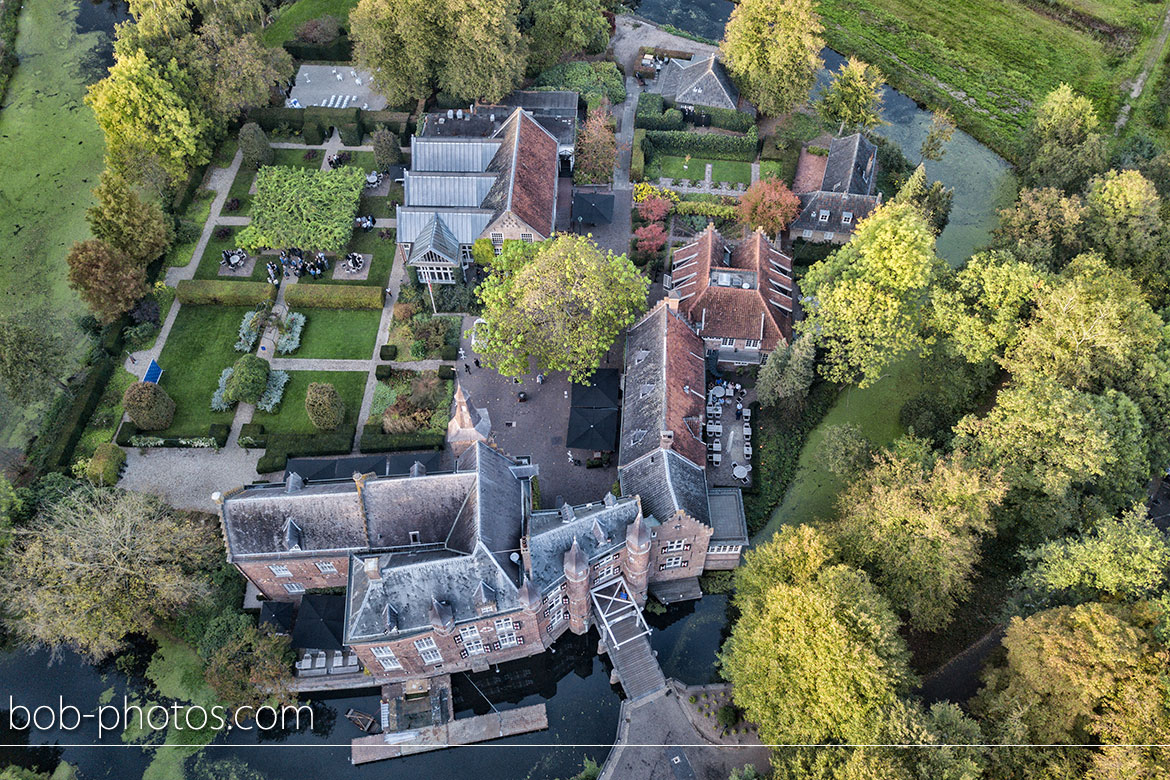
[847, 218]
[415, 538]
[823, 216]
[646, 390]
[640, 355]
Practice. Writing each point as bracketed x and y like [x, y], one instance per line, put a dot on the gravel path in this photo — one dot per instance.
[187, 478]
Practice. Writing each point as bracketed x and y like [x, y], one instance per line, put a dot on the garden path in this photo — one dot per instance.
[625, 136]
[1139, 83]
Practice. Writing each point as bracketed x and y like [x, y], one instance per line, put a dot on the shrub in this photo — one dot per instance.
[214, 292]
[651, 237]
[232, 205]
[638, 156]
[300, 207]
[219, 432]
[252, 435]
[251, 326]
[126, 431]
[145, 311]
[254, 147]
[332, 296]
[248, 380]
[219, 401]
[139, 336]
[373, 440]
[726, 118]
[273, 391]
[290, 340]
[324, 406]
[382, 373]
[728, 715]
[446, 372]
[652, 114]
[313, 134]
[149, 406]
[387, 149]
[449, 352]
[351, 134]
[654, 209]
[591, 80]
[186, 231]
[643, 191]
[708, 145]
[223, 233]
[106, 464]
[322, 30]
[388, 352]
[715, 210]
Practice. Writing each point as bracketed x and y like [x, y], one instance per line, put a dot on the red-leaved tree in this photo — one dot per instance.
[770, 205]
[654, 209]
[651, 237]
[108, 281]
[596, 153]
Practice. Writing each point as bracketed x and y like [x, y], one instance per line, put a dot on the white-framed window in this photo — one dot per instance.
[436, 275]
[674, 545]
[526, 238]
[387, 658]
[823, 215]
[723, 549]
[673, 562]
[751, 344]
[279, 570]
[498, 239]
[428, 651]
[806, 234]
[847, 218]
[555, 616]
[471, 640]
[507, 639]
[727, 342]
[415, 538]
[465, 252]
[294, 587]
[503, 624]
[326, 567]
[829, 236]
[606, 573]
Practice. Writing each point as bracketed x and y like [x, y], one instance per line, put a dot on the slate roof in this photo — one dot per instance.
[330, 518]
[435, 237]
[708, 278]
[838, 205]
[848, 187]
[666, 483]
[664, 387]
[851, 166]
[550, 537]
[701, 82]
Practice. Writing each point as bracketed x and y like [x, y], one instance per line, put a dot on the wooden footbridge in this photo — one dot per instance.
[626, 638]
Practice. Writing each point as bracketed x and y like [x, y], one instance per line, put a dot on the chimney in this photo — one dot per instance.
[671, 302]
[526, 555]
[666, 439]
[372, 569]
[567, 514]
[294, 482]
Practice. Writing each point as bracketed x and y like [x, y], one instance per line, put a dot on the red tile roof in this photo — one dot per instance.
[763, 313]
[686, 388]
[527, 164]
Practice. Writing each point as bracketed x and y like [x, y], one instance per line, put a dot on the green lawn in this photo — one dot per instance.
[875, 410]
[338, 334]
[777, 170]
[197, 212]
[198, 348]
[721, 170]
[363, 160]
[295, 158]
[292, 16]
[209, 263]
[383, 250]
[291, 416]
[989, 60]
[378, 207]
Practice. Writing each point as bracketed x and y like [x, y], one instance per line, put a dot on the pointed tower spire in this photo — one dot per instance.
[462, 416]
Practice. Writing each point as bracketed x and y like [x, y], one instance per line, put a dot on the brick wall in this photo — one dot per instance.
[303, 571]
[681, 531]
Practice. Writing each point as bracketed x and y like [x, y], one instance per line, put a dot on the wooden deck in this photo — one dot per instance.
[467, 731]
[637, 668]
[672, 591]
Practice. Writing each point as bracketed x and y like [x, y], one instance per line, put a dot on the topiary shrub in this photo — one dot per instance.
[248, 380]
[106, 464]
[388, 352]
[324, 406]
[728, 715]
[254, 146]
[149, 406]
[387, 149]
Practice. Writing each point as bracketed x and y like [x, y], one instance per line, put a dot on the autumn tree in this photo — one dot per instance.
[560, 303]
[130, 225]
[101, 564]
[108, 281]
[769, 204]
[980, 312]
[788, 374]
[235, 70]
[868, 298]
[938, 135]
[252, 669]
[815, 656]
[324, 406]
[654, 209]
[562, 27]
[773, 51]
[1065, 145]
[853, 98]
[33, 356]
[917, 530]
[650, 238]
[596, 151]
[1044, 227]
[1125, 225]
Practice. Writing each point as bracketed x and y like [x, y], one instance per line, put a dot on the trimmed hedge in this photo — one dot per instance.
[214, 292]
[313, 133]
[219, 432]
[126, 431]
[105, 467]
[446, 372]
[282, 446]
[252, 435]
[339, 49]
[449, 353]
[392, 120]
[65, 423]
[652, 113]
[332, 296]
[708, 145]
[725, 118]
[706, 209]
[351, 134]
[388, 352]
[382, 373]
[271, 118]
[373, 440]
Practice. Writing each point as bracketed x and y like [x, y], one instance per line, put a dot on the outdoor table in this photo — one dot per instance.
[371, 178]
[739, 472]
[719, 392]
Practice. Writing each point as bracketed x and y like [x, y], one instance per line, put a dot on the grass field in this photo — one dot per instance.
[990, 60]
[198, 348]
[52, 152]
[291, 416]
[338, 334]
[286, 24]
[721, 170]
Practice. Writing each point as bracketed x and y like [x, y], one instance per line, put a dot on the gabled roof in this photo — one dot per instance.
[435, 238]
[851, 166]
[550, 537]
[838, 205]
[700, 82]
[441, 188]
[666, 483]
[466, 224]
[330, 517]
[664, 388]
[709, 279]
[526, 173]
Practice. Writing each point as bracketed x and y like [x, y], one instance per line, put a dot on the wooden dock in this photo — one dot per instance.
[468, 731]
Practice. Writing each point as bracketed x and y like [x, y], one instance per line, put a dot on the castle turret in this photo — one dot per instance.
[442, 617]
[529, 597]
[577, 585]
[637, 564]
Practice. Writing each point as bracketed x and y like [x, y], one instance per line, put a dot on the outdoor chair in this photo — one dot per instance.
[747, 414]
[747, 450]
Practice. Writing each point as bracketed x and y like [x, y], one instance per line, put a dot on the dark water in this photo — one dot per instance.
[982, 180]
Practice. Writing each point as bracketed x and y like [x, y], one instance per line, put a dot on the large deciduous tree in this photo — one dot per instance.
[33, 356]
[252, 669]
[773, 50]
[129, 224]
[485, 56]
[400, 43]
[853, 98]
[1044, 227]
[109, 281]
[815, 656]
[255, 148]
[235, 70]
[869, 296]
[1065, 145]
[918, 531]
[101, 564]
[769, 204]
[561, 302]
[596, 151]
[562, 27]
[1125, 225]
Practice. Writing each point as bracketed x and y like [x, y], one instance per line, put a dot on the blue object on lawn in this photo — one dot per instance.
[153, 373]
